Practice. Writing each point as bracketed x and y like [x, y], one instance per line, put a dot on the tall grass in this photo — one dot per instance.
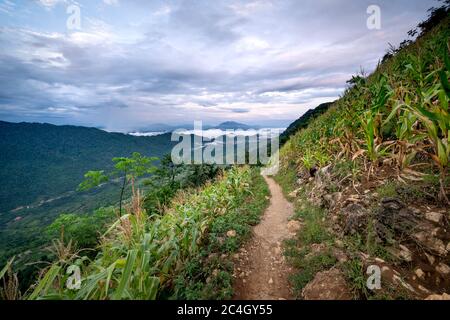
[398, 113]
[141, 255]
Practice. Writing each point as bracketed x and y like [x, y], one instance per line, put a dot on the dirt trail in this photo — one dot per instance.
[260, 268]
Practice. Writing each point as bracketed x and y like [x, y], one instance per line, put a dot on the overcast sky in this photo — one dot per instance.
[138, 62]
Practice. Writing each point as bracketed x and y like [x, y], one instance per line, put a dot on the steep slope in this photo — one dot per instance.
[303, 121]
[182, 254]
[370, 182]
[42, 161]
[42, 165]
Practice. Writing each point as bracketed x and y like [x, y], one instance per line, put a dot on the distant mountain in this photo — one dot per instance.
[161, 127]
[43, 161]
[158, 128]
[231, 125]
[303, 121]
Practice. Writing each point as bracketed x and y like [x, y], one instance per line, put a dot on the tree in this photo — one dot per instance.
[126, 169]
[82, 229]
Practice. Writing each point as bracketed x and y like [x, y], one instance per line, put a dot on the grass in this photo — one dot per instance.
[298, 251]
[388, 190]
[314, 230]
[287, 178]
[356, 276]
[399, 113]
[420, 191]
[144, 257]
[308, 269]
[209, 275]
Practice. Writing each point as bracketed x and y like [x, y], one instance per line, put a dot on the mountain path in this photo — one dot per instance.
[261, 271]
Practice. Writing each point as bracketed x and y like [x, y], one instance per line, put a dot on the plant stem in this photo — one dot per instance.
[121, 193]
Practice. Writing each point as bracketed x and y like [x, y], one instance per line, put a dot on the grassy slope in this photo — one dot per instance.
[42, 162]
[343, 137]
[209, 275]
[181, 254]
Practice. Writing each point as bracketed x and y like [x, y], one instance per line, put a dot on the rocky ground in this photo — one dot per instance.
[409, 240]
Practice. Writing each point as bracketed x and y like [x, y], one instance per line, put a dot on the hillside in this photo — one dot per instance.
[42, 166]
[369, 180]
[43, 161]
[359, 209]
[303, 121]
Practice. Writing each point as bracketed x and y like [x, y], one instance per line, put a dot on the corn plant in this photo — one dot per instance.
[140, 255]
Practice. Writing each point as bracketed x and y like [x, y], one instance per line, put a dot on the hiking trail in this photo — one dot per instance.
[261, 271]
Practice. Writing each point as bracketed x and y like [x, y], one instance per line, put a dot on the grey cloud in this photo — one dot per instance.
[194, 60]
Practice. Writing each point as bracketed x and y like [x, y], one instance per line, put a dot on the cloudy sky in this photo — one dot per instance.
[134, 63]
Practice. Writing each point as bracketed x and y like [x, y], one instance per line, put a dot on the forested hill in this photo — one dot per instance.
[41, 161]
[303, 121]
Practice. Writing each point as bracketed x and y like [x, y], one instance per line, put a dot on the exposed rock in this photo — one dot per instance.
[386, 271]
[398, 280]
[426, 240]
[394, 218]
[327, 285]
[212, 257]
[444, 296]
[443, 269]
[340, 255]
[419, 273]
[270, 281]
[435, 217]
[405, 254]
[231, 233]
[339, 243]
[423, 289]
[316, 249]
[332, 199]
[430, 258]
[294, 226]
[356, 217]
[293, 194]
[379, 260]
[325, 171]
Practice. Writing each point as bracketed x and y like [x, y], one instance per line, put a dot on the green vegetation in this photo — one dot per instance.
[142, 257]
[399, 113]
[42, 166]
[31, 153]
[208, 276]
[387, 136]
[303, 121]
[300, 251]
[177, 225]
[83, 230]
[128, 170]
[169, 178]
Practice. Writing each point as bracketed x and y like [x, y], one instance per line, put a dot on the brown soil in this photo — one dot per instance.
[260, 269]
